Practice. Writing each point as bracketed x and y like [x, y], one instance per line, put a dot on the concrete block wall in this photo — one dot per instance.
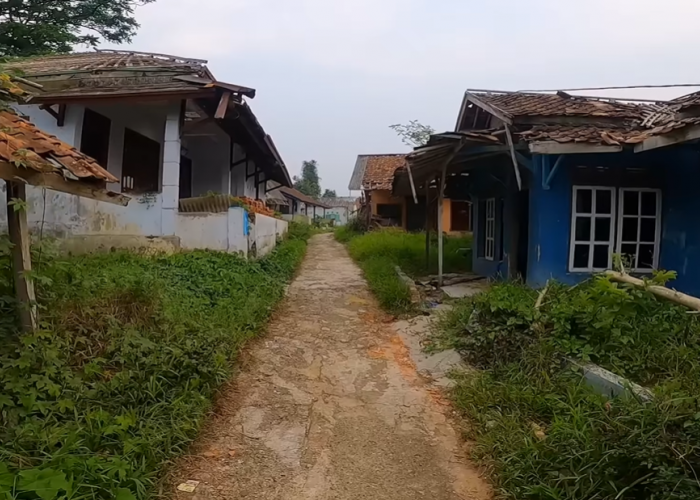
[265, 233]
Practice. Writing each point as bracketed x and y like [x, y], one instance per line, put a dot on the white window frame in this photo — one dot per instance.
[639, 216]
[490, 229]
[591, 241]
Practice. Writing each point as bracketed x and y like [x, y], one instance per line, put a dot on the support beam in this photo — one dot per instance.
[487, 107]
[558, 148]
[549, 173]
[410, 179]
[61, 120]
[21, 255]
[685, 134]
[513, 157]
[524, 161]
[441, 190]
[223, 106]
[57, 182]
[427, 226]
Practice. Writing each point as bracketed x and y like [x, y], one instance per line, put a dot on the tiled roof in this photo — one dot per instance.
[22, 141]
[379, 170]
[103, 60]
[299, 196]
[522, 104]
[595, 134]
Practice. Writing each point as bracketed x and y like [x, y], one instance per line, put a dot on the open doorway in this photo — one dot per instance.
[523, 215]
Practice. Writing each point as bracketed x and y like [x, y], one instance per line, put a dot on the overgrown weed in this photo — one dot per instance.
[122, 371]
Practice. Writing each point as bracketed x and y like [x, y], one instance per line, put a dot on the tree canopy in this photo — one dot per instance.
[330, 193]
[309, 182]
[413, 133]
[32, 27]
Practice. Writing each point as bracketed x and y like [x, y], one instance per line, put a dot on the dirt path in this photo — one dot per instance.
[329, 406]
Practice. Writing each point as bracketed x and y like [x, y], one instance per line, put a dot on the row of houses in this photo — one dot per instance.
[175, 140]
[561, 184]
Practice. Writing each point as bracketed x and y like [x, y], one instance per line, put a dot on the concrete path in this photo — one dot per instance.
[329, 405]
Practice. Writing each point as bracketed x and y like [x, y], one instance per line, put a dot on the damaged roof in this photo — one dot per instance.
[379, 170]
[514, 104]
[299, 196]
[22, 141]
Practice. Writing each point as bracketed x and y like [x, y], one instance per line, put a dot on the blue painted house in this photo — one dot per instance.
[561, 184]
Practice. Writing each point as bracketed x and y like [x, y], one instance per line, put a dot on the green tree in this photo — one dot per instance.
[413, 133]
[31, 27]
[309, 182]
[330, 193]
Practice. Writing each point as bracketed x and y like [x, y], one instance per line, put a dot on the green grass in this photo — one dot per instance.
[130, 352]
[378, 252]
[541, 429]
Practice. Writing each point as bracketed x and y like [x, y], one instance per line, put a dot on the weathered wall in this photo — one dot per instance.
[241, 184]
[63, 214]
[339, 214]
[203, 231]
[263, 235]
[238, 231]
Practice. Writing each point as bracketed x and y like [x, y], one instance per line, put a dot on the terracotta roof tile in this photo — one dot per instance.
[521, 104]
[298, 195]
[103, 60]
[379, 170]
[22, 141]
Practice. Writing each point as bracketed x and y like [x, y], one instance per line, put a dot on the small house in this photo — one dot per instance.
[178, 141]
[562, 184]
[374, 175]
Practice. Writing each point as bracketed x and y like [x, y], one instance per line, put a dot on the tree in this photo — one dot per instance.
[309, 182]
[330, 193]
[31, 27]
[413, 133]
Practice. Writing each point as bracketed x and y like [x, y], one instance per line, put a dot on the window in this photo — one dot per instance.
[490, 229]
[595, 219]
[592, 228]
[141, 163]
[639, 228]
[94, 140]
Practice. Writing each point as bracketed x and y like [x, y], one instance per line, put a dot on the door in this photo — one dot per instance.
[460, 216]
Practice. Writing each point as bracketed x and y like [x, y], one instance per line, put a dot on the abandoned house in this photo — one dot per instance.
[373, 176]
[562, 184]
[170, 133]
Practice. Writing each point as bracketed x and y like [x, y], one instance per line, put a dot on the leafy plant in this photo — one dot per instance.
[130, 352]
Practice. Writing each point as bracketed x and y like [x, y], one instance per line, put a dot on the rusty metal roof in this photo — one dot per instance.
[380, 169]
[514, 104]
[21, 141]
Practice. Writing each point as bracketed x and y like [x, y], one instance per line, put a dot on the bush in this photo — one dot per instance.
[129, 355]
[378, 252]
[536, 422]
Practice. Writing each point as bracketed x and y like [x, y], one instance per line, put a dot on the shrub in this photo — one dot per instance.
[542, 429]
[129, 355]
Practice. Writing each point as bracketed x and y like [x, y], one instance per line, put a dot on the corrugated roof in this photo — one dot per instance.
[514, 104]
[22, 141]
[380, 169]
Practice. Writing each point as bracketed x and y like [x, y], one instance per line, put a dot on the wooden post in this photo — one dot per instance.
[21, 255]
[427, 226]
[441, 191]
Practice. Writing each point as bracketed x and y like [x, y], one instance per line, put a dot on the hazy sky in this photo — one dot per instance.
[332, 76]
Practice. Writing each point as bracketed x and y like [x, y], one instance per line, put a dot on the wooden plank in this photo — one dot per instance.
[223, 106]
[558, 148]
[21, 254]
[490, 109]
[685, 134]
[56, 182]
[413, 186]
[513, 157]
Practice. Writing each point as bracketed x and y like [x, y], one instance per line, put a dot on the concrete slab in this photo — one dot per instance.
[462, 290]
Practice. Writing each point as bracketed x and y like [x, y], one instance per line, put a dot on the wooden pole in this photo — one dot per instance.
[427, 226]
[679, 298]
[513, 158]
[21, 254]
[441, 191]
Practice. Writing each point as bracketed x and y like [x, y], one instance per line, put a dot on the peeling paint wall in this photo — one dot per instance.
[203, 231]
[264, 232]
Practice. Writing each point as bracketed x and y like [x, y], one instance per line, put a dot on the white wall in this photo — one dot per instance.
[203, 231]
[72, 127]
[67, 214]
[342, 213]
[241, 185]
[265, 232]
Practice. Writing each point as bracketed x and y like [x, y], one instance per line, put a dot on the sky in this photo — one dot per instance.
[332, 76]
